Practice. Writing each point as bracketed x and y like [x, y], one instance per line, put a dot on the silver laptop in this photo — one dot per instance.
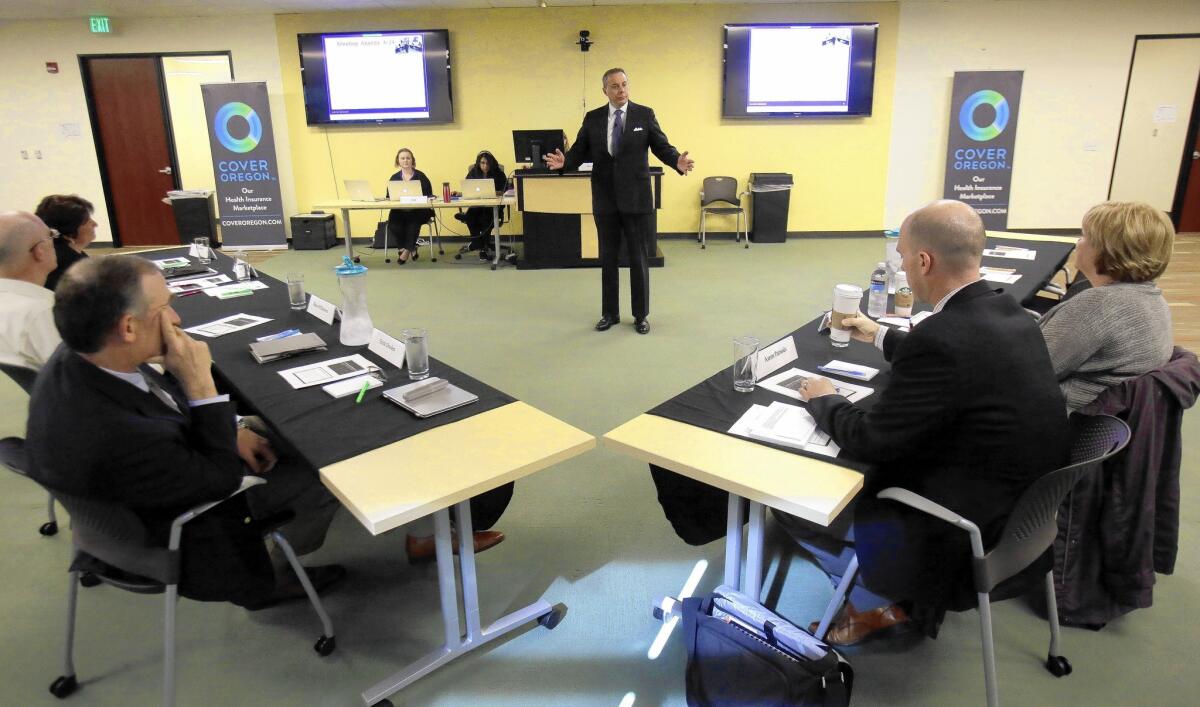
[478, 189]
[398, 188]
[359, 190]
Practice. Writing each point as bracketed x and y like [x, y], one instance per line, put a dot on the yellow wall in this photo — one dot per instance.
[520, 69]
[183, 76]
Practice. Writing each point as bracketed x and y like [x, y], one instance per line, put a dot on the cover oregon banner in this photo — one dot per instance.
[243, 153]
[983, 131]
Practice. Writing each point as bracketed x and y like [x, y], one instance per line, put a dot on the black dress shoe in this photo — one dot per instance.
[322, 578]
[642, 326]
[606, 322]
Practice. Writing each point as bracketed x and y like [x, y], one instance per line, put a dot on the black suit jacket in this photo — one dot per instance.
[93, 435]
[621, 182]
[972, 416]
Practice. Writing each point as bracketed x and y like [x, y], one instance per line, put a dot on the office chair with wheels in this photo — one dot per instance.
[486, 244]
[116, 536]
[25, 377]
[722, 190]
[1029, 532]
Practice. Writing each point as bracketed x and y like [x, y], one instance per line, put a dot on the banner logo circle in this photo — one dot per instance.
[966, 116]
[221, 127]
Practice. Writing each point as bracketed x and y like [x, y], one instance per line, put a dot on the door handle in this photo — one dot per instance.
[165, 170]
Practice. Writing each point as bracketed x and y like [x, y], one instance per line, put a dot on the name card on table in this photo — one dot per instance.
[776, 356]
[388, 348]
[321, 309]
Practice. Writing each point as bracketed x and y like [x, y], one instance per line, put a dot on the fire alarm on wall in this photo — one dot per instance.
[52, 67]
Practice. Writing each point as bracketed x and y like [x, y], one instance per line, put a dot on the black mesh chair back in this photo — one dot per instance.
[12, 454]
[1032, 527]
[720, 189]
[115, 535]
[21, 375]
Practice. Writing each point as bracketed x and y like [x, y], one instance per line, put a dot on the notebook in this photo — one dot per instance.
[266, 351]
[398, 188]
[445, 399]
[478, 189]
[359, 190]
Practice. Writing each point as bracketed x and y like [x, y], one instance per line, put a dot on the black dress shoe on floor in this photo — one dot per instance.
[642, 326]
[606, 322]
[321, 577]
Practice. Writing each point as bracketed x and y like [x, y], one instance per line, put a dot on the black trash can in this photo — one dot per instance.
[769, 194]
[195, 216]
[313, 232]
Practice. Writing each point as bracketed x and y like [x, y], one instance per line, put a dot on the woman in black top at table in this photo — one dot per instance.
[71, 217]
[479, 218]
[404, 225]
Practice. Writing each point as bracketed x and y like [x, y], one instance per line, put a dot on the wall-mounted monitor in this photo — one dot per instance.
[400, 76]
[799, 70]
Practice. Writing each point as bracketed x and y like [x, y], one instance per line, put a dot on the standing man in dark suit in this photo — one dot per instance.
[614, 138]
[971, 417]
[105, 426]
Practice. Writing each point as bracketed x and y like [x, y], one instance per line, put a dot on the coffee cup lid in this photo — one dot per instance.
[848, 291]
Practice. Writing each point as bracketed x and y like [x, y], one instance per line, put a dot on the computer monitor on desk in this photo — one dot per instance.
[530, 145]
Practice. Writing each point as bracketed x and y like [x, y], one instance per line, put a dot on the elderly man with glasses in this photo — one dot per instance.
[27, 256]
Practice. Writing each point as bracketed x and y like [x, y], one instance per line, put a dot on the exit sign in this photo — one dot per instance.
[99, 25]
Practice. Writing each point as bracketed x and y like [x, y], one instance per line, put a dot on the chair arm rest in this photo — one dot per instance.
[248, 482]
[924, 505]
[1054, 289]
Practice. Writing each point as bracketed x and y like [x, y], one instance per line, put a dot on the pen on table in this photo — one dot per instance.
[189, 294]
[844, 372]
[361, 393]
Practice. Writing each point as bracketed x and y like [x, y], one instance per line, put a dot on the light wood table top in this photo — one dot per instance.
[434, 204]
[411, 478]
[809, 488]
[1033, 237]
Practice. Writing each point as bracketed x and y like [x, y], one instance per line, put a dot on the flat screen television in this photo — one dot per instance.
[799, 70]
[400, 76]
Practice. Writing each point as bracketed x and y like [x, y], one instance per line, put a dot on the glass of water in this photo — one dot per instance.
[416, 353]
[203, 253]
[295, 284]
[745, 363]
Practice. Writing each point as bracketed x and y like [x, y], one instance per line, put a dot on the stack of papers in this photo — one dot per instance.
[1010, 251]
[226, 325]
[788, 383]
[327, 371]
[191, 284]
[785, 425]
[1004, 275]
[267, 351]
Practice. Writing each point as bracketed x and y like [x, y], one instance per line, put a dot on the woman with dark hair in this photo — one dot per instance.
[404, 225]
[71, 217]
[479, 218]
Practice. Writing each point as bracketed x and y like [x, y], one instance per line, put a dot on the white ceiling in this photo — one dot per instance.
[66, 9]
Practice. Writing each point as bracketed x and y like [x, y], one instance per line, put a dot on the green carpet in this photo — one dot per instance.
[587, 533]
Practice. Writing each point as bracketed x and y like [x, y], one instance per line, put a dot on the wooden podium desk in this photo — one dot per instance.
[559, 230]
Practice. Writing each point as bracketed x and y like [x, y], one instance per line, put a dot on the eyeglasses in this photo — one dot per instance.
[53, 234]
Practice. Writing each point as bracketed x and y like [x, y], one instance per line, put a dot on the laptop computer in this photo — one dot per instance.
[478, 189]
[359, 190]
[398, 188]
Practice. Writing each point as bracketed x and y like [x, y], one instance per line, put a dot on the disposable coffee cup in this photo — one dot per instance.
[846, 299]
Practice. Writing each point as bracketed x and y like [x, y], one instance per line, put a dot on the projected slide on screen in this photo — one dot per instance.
[804, 69]
[376, 77]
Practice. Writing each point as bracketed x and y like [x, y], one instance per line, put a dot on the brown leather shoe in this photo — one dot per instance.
[853, 626]
[424, 549]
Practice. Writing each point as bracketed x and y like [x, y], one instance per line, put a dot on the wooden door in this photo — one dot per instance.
[1189, 213]
[135, 151]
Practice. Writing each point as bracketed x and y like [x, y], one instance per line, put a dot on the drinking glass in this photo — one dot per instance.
[416, 353]
[745, 363]
[296, 297]
[203, 252]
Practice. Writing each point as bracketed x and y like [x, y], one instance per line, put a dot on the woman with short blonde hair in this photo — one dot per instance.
[1121, 327]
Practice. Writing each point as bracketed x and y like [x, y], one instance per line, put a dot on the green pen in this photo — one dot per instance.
[361, 393]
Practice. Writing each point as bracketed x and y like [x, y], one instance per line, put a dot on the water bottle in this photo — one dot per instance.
[356, 321]
[877, 300]
[891, 256]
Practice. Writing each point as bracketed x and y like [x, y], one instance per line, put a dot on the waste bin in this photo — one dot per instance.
[769, 194]
[314, 231]
[195, 215]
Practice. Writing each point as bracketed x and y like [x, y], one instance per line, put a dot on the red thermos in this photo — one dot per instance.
[446, 192]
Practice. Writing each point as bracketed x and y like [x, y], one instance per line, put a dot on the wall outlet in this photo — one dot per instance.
[37, 154]
[24, 154]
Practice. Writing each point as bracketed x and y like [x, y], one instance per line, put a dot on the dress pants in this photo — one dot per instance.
[403, 229]
[634, 229]
[832, 548]
[294, 485]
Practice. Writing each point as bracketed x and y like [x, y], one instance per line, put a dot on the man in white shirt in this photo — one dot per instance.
[27, 333]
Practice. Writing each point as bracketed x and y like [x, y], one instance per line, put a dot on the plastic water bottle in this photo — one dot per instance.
[891, 255]
[877, 300]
